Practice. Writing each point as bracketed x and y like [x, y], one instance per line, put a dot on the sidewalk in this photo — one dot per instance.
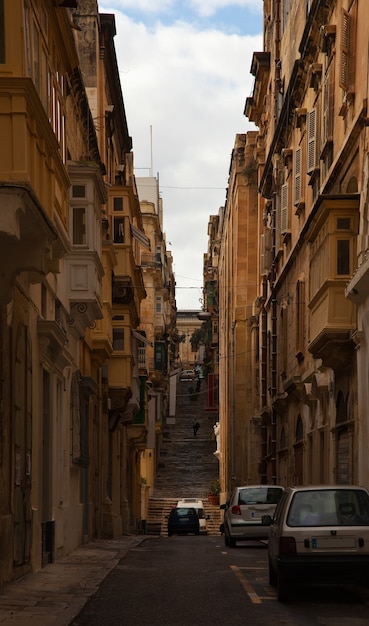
[54, 595]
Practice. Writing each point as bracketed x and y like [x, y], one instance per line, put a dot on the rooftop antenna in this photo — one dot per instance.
[151, 160]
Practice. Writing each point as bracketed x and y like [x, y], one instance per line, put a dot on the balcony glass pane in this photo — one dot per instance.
[343, 257]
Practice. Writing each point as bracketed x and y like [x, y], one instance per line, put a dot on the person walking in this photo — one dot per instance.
[196, 426]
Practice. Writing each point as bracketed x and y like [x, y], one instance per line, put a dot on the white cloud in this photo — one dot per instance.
[210, 7]
[190, 86]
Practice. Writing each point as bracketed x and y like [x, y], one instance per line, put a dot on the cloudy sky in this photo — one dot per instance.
[185, 74]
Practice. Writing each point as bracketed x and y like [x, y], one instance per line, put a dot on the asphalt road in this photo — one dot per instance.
[196, 581]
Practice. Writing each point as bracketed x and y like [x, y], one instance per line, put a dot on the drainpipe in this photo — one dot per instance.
[273, 386]
[263, 383]
[233, 409]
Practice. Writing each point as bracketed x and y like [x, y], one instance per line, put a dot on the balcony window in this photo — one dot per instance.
[343, 257]
[119, 229]
[79, 226]
[118, 339]
[118, 204]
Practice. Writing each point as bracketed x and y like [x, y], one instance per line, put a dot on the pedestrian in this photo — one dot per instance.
[196, 427]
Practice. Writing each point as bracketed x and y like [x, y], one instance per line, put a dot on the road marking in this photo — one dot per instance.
[246, 585]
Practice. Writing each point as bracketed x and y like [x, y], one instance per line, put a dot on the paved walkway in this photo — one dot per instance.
[55, 595]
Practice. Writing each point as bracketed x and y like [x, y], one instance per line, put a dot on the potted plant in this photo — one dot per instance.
[213, 495]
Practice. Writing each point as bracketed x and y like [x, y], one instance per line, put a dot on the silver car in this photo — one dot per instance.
[319, 534]
[244, 512]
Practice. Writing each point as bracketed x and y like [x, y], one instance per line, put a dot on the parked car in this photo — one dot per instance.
[187, 375]
[198, 505]
[183, 521]
[319, 535]
[244, 512]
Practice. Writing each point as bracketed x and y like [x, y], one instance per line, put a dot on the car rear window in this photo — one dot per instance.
[327, 507]
[261, 495]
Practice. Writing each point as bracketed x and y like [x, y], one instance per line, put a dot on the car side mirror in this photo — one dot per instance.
[223, 507]
[266, 520]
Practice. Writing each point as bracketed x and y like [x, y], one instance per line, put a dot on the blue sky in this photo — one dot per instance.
[243, 17]
[185, 75]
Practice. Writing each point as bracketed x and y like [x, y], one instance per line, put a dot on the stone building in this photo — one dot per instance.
[238, 288]
[157, 322]
[310, 105]
[74, 416]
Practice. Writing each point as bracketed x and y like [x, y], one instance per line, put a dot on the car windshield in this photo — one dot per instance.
[260, 495]
[184, 512]
[327, 507]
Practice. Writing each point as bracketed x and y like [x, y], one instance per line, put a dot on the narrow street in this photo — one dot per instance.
[195, 581]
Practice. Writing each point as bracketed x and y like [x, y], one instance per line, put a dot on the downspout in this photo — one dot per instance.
[263, 384]
[233, 410]
[273, 390]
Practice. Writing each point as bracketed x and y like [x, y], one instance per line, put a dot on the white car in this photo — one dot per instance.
[319, 534]
[198, 505]
[187, 375]
[244, 512]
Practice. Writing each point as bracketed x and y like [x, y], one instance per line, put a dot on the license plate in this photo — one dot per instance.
[322, 543]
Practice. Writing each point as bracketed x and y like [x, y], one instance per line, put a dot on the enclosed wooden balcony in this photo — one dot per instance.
[332, 237]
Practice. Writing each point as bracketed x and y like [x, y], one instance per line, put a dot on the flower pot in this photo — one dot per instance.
[213, 500]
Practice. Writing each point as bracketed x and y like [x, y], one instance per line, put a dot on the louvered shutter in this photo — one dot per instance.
[297, 172]
[284, 208]
[311, 140]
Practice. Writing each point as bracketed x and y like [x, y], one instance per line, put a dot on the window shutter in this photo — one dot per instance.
[297, 170]
[311, 140]
[328, 107]
[266, 251]
[284, 208]
[345, 51]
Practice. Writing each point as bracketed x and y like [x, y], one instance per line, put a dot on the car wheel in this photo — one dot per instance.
[232, 543]
[282, 589]
[226, 540]
[272, 575]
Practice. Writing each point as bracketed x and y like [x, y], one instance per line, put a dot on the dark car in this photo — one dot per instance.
[319, 534]
[183, 521]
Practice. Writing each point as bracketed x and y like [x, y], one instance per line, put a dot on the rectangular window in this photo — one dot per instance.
[119, 230]
[79, 226]
[158, 305]
[118, 339]
[79, 191]
[2, 32]
[343, 257]
[343, 223]
[118, 204]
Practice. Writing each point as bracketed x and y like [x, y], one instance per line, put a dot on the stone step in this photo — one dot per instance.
[186, 463]
[159, 509]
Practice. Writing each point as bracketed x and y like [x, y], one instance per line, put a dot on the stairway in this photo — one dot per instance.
[159, 509]
[187, 465]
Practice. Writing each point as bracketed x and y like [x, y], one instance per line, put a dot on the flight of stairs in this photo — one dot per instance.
[159, 509]
[187, 465]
